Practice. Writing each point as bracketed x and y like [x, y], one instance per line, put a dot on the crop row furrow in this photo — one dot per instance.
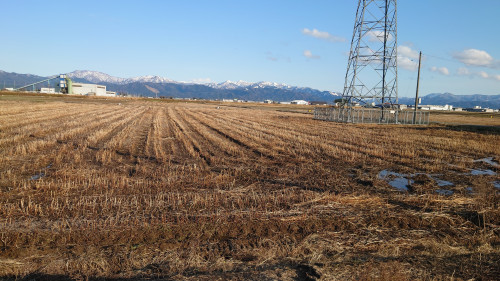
[245, 138]
[100, 138]
[20, 122]
[160, 133]
[205, 149]
[226, 149]
[62, 131]
[294, 145]
[189, 143]
[332, 146]
[38, 129]
[49, 149]
[34, 110]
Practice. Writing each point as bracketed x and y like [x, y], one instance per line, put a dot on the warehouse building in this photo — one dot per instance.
[301, 102]
[89, 90]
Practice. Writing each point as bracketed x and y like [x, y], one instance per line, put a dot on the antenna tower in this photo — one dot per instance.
[372, 70]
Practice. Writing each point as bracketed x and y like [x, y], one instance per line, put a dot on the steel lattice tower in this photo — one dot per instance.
[372, 72]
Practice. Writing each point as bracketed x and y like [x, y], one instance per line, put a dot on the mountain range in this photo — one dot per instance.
[151, 86]
[465, 101]
[155, 85]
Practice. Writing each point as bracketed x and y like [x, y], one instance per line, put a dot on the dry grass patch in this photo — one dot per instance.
[108, 189]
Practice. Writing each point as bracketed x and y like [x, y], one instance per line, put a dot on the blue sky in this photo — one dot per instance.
[303, 43]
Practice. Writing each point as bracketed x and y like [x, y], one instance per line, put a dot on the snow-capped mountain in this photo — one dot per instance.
[145, 85]
[99, 77]
[95, 76]
[160, 86]
[230, 85]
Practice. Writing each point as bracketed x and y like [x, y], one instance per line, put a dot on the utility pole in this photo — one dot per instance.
[418, 84]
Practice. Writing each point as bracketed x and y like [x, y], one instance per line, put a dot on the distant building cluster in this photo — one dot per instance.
[296, 102]
[452, 108]
[445, 107]
[480, 109]
[64, 85]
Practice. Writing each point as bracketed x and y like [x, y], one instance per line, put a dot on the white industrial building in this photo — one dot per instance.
[301, 102]
[90, 90]
[47, 90]
[436, 107]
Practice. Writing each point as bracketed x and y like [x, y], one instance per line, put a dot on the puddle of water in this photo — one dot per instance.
[41, 174]
[400, 181]
[488, 160]
[496, 184]
[37, 176]
[385, 173]
[479, 172]
[469, 189]
[442, 183]
[445, 192]
[400, 184]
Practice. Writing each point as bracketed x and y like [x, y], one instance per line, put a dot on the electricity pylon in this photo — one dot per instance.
[372, 70]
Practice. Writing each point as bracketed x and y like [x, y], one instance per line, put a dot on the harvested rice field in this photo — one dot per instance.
[133, 189]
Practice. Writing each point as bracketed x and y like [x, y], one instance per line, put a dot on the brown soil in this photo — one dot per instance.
[136, 190]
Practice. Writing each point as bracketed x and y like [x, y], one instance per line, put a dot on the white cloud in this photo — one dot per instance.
[407, 58]
[407, 63]
[442, 70]
[308, 54]
[378, 35]
[463, 71]
[484, 74]
[406, 51]
[322, 35]
[475, 57]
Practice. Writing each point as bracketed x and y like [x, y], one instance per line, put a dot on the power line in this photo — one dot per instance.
[440, 58]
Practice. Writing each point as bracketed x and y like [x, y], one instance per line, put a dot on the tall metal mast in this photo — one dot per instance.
[372, 72]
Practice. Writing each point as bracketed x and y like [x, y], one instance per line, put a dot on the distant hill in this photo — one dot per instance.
[465, 101]
[13, 80]
[150, 86]
[207, 92]
[153, 85]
